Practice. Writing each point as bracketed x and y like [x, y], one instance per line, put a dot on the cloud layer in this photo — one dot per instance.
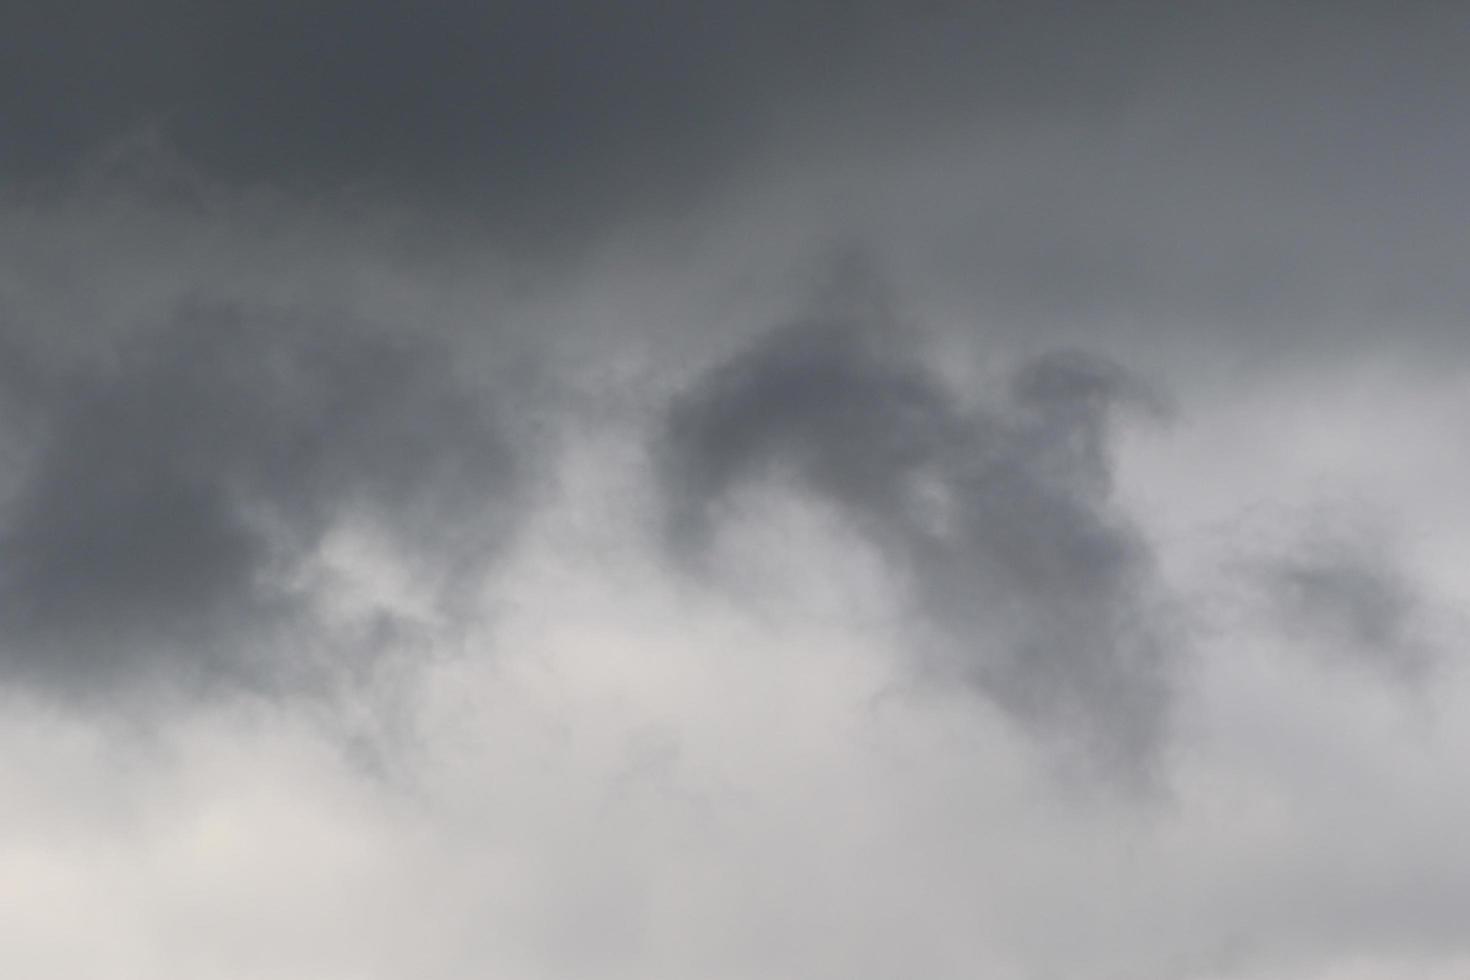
[454, 524]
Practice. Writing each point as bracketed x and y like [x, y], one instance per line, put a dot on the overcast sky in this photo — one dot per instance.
[804, 490]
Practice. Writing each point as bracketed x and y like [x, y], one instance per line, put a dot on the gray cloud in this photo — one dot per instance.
[173, 484]
[1001, 517]
[542, 115]
[1354, 598]
[291, 294]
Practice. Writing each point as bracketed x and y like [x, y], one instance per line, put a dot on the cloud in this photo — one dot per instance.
[339, 334]
[545, 118]
[999, 515]
[177, 483]
[1352, 597]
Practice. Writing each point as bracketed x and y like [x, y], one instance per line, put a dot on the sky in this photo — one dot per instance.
[788, 490]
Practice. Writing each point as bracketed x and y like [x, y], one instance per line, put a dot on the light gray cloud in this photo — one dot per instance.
[1000, 515]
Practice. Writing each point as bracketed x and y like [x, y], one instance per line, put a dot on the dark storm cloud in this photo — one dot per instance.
[1000, 517]
[544, 111]
[1277, 130]
[165, 489]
